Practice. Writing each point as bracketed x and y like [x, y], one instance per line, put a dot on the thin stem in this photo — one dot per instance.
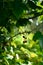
[33, 30]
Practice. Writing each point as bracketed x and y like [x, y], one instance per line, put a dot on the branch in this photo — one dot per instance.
[33, 30]
[35, 16]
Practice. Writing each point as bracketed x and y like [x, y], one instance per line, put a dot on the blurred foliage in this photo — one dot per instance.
[21, 32]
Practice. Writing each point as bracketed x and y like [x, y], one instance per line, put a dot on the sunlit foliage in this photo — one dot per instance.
[21, 32]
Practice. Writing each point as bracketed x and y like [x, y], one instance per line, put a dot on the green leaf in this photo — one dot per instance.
[42, 3]
[41, 42]
[33, 5]
[37, 35]
[22, 22]
[17, 8]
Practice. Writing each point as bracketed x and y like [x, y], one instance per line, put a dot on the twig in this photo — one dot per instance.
[35, 16]
[33, 30]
